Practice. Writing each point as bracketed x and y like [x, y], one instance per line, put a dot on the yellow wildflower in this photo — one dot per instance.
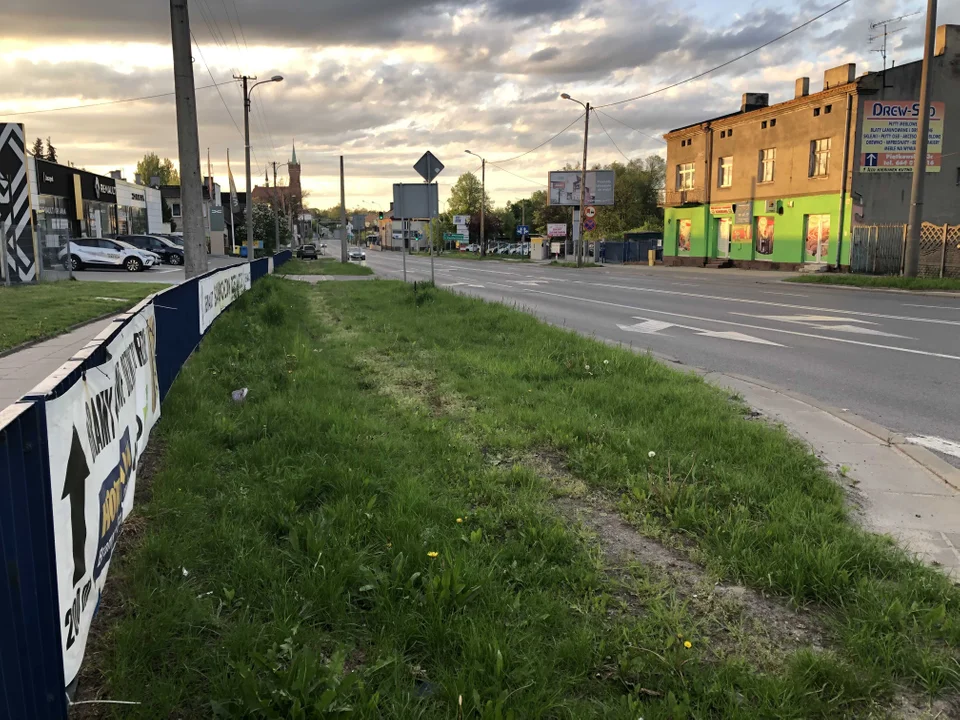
[432, 553]
[687, 644]
[459, 520]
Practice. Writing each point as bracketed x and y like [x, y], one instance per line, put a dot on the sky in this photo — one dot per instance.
[382, 82]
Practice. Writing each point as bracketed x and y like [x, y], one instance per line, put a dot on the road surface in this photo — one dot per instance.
[171, 274]
[893, 358]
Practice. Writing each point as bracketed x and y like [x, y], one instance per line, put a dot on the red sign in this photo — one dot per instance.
[590, 211]
[726, 209]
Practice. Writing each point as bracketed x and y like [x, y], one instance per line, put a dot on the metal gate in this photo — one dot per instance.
[879, 250]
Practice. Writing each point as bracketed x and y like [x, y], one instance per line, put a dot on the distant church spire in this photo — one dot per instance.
[293, 161]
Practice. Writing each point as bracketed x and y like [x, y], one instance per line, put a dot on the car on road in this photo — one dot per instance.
[307, 251]
[357, 254]
[167, 250]
[103, 252]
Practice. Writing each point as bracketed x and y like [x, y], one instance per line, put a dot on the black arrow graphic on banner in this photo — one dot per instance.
[74, 486]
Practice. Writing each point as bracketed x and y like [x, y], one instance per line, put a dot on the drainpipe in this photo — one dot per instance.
[707, 188]
[843, 177]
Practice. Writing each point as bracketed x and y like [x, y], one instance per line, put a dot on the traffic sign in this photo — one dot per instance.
[589, 224]
[461, 219]
[428, 167]
[589, 212]
[523, 229]
[455, 237]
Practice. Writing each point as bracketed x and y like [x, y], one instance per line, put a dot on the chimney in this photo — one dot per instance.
[754, 101]
[948, 37]
[138, 179]
[801, 87]
[155, 181]
[839, 75]
[116, 174]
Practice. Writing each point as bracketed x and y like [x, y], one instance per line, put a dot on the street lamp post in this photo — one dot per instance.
[581, 249]
[246, 139]
[483, 201]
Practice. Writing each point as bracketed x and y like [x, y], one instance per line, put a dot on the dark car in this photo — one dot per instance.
[169, 252]
[307, 251]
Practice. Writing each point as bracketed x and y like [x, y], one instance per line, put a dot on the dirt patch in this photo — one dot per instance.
[91, 682]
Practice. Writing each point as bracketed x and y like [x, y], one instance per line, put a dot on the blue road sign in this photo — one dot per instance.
[871, 160]
[523, 229]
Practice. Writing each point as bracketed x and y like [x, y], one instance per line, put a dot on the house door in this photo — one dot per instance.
[817, 245]
[723, 237]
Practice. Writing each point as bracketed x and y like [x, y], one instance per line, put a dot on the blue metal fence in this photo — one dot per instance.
[31, 662]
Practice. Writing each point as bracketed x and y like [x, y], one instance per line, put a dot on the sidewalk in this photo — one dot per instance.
[22, 371]
[914, 498]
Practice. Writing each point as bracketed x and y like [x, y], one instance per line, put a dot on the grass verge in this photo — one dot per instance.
[322, 266]
[587, 264]
[45, 310]
[880, 281]
[381, 529]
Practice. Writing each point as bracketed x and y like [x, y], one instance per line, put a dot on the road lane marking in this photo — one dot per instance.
[822, 322]
[770, 303]
[755, 327]
[651, 327]
[767, 292]
[931, 442]
[648, 327]
[936, 307]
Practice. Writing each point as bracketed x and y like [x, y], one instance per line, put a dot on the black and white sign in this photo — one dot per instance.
[218, 291]
[96, 432]
[564, 187]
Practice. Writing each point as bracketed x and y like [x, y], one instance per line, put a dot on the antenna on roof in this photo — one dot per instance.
[886, 33]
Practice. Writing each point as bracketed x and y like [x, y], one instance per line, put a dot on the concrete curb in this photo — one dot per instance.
[31, 343]
[899, 291]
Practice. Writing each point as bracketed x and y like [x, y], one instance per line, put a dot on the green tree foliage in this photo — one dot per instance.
[539, 213]
[37, 149]
[636, 191]
[51, 151]
[152, 166]
[264, 229]
[466, 196]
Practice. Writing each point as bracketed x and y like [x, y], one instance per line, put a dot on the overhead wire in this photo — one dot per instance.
[630, 127]
[545, 142]
[729, 62]
[597, 115]
[84, 106]
[526, 179]
[210, 73]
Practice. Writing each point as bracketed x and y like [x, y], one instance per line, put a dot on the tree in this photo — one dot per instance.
[264, 227]
[51, 151]
[153, 167]
[465, 197]
[37, 149]
[539, 213]
[636, 191]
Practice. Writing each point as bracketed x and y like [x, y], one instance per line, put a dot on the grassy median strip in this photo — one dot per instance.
[37, 312]
[388, 525]
[322, 266]
[881, 281]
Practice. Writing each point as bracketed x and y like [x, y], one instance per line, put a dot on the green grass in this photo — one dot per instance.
[380, 414]
[881, 281]
[37, 312]
[322, 266]
[586, 264]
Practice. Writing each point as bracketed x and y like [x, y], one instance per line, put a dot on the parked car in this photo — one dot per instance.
[103, 252]
[307, 251]
[473, 248]
[168, 251]
[357, 254]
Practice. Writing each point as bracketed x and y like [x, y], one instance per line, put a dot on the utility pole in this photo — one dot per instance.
[583, 186]
[191, 182]
[343, 217]
[912, 259]
[483, 205]
[276, 209]
[248, 210]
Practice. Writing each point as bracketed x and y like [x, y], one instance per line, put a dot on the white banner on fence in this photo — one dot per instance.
[218, 291]
[96, 432]
[270, 265]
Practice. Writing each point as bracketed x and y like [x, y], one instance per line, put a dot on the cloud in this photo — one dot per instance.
[548, 53]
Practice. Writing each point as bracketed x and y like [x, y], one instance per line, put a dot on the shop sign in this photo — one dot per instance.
[744, 214]
[725, 209]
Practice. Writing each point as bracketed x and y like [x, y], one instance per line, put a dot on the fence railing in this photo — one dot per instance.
[68, 463]
[880, 249]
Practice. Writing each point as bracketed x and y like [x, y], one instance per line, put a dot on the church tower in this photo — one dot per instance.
[294, 171]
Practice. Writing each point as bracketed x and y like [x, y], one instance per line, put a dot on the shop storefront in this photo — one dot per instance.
[138, 209]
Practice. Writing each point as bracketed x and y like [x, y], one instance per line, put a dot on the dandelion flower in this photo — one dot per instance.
[651, 454]
[432, 554]
[606, 362]
[586, 367]
[459, 520]
[687, 644]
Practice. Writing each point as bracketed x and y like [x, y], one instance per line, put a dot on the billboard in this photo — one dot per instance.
[16, 218]
[410, 201]
[889, 136]
[564, 187]
[557, 230]
[219, 290]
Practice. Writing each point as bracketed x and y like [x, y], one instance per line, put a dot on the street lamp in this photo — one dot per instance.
[483, 201]
[246, 136]
[583, 176]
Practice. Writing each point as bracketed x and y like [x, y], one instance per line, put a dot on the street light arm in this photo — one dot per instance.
[565, 96]
[262, 82]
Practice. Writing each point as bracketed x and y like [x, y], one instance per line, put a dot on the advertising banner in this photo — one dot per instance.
[765, 227]
[564, 187]
[684, 230]
[218, 291]
[890, 136]
[461, 219]
[96, 432]
[16, 218]
[556, 229]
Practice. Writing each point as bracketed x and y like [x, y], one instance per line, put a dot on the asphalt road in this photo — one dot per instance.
[171, 274]
[893, 358]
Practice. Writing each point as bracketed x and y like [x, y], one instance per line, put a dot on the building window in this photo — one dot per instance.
[820, 157]
[763, 125]
[773, 123]
[175, 209]
[730, 132]
[827, 109]
[768, 159]
[725, 172]
[723, 134]
[685, 176]
[816, 112]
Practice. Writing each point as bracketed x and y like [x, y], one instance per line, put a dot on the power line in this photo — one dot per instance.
[597, 115]
[730, 62]
[545, 142]
[109, 102]
[210, 73]
[630, 127]
[534, 182]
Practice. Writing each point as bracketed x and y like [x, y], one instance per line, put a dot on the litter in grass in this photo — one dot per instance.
[239, 395]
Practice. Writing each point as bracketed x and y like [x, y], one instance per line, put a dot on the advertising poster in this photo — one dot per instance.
[556, 229]
[742, 233]
[565, 187]
[97, 431]
[684, 229]
[218, 291]
[16, 218]
[890, 136]
[765, 235]
[818, 236]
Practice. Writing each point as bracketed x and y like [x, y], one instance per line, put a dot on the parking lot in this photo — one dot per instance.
[168, 274]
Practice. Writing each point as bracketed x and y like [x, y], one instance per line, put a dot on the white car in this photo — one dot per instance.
[103, 252]
[357, 254]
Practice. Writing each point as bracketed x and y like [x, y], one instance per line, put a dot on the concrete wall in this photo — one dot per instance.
[886, 195]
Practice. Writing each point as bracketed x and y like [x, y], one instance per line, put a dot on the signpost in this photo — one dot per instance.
[589, 212]
[564, 187]
[523, 230]
[428, 167]
[589, 224]
[461, 219]
[557, 230]
[890, 136]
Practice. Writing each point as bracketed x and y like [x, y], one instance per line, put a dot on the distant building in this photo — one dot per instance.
[213, 214]
[290, 196]
[765, 186]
